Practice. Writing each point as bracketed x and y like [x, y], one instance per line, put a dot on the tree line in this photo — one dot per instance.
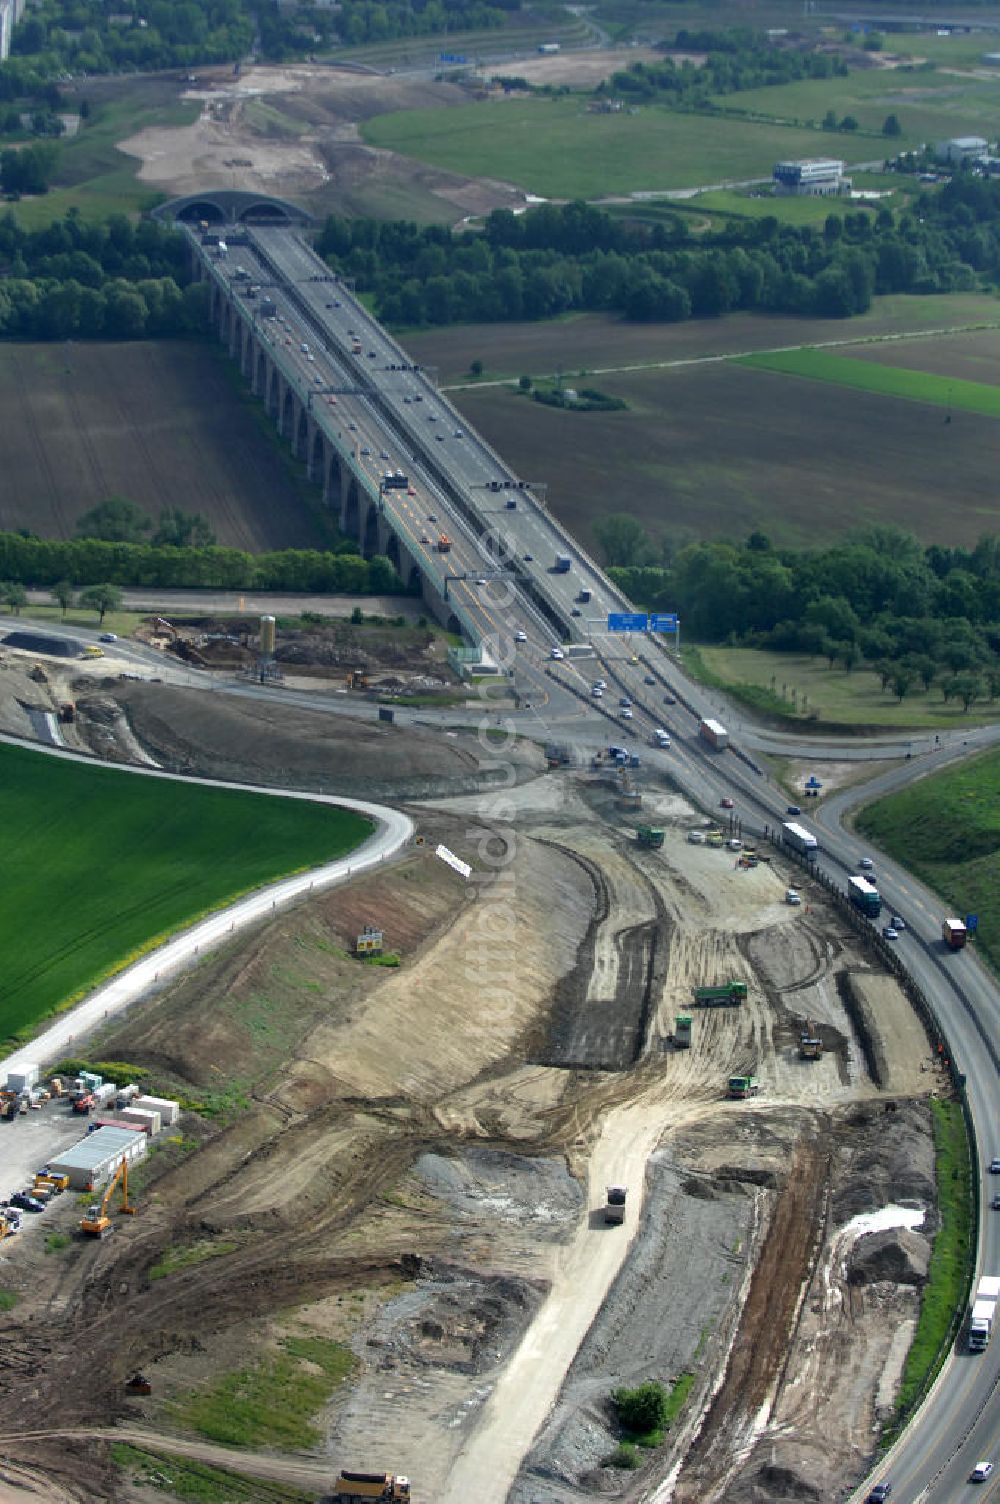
[553, 260]
[90, 36]
[43, 562]
[738, 58]
[877, 599]
[111, 279]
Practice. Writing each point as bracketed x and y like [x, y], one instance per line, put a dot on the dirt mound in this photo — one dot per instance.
[253, 740]
[897, 1254]
[775, 1485]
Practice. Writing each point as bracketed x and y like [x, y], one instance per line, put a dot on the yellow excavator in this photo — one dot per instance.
[97, 1223]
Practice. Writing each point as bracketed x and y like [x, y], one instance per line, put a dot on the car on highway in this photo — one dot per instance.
[627, 713]
[597, 692]
[529, 558]
[366, 452]
[725, 802]
[424, 538]
[410, 491]
[353, 426]
[481, 581]
[383, 454]
[649, 679]
[670, 699]
[995, 1204]
[793, 809]
[576, 611]
[865, 863]
[332, 401]
[520, 636]
[431, 517]
[981, 1472]
[459, 434]
[889, 932]
[439, 437]
[625, 702]
[995, 1166]
[304, 348]
[311, 357]
[898, 922]
[880, 1493]
[108, 637]
[432, 417]
[557, 653]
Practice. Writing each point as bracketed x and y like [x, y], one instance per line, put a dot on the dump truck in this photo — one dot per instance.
[682, 1031]
[724, 995]
[443, 544]
[954, 933]
[981, 1316]
[650, 835]
[741, 1087]
[363, 1488]
[810, 1044]
[614, 1207]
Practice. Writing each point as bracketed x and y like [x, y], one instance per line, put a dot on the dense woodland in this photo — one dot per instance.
[91, 36]
[552, 260]
[918, 616]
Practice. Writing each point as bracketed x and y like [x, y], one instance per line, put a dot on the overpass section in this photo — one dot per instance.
[358, 412]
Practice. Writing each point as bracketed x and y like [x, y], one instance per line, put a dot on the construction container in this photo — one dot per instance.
[105, 1094]
[146, 1128]
[141, 1116]
[24, 1079]
[93, 1160]
[126, 1095]
[169, 1110]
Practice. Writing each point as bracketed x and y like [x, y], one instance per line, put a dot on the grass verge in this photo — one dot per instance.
[945, 1290]
[179, 1257]
[196, 1482]
[271, 1404]
[8, 1299]
[101, 866]
[947, 830]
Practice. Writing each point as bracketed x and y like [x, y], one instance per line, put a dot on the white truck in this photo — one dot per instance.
[984, 1305]
[799, 839]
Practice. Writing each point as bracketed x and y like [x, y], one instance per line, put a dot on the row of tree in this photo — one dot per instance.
[88, 561]
[914, 614]
[736, 59]
[554, 260]
[92, 36]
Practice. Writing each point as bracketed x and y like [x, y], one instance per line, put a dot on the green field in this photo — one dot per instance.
[811, 689]
[99, 864]
[555, 148]
[946, 829]
[887, 381]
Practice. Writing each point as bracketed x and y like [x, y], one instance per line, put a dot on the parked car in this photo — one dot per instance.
[26, 1202]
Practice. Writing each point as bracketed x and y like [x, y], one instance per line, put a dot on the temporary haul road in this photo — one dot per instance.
[961, 1421]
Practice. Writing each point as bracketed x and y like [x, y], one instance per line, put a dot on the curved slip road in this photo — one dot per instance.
[392, 831]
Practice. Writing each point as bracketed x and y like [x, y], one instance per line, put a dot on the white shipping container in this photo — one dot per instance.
[169, 1111]
[141, 1118]
[24, 1079]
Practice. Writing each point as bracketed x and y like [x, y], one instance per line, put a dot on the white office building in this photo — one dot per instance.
[962, 149]
[813, 177]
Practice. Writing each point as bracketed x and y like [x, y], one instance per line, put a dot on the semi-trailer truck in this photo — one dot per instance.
[984, 1306]
[799, 839]
[714, 733]
[563, 564]
[864, 896]
[954, 933]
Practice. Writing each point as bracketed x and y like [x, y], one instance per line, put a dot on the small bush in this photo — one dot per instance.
[8, 1300]
[624, 1455]
[643, 1409]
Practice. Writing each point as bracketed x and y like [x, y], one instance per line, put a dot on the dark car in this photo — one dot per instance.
[670, 699]
[27, 1203]
[793, 809]
[880, 1493]
[649, 679]
[726, 803]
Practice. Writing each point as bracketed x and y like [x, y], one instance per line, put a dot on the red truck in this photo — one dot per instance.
[954, 933]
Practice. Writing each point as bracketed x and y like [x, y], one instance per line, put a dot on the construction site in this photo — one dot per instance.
[625, 1106]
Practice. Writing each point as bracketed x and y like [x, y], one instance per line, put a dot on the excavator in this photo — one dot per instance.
[97, 1223]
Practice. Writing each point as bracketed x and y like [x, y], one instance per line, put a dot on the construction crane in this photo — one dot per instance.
[97, 1223]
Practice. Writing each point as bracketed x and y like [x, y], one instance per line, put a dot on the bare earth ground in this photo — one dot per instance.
[716, 449]
[157, 422]
[397, 1160]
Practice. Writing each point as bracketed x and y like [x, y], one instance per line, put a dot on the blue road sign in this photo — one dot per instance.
[663, 621]
[627, 621]
[813, 783]
[972, 922]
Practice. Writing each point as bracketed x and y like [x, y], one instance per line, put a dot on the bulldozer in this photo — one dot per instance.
[357, 679]
[97, 1223]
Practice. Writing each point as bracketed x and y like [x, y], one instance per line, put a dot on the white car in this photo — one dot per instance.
[626, 714]
[865, 863]
[597, 692]
[481, 581]
[557, 653]
[981, 1472]
[520, 636]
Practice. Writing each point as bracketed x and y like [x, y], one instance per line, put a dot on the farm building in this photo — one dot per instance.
[91, 1161]
[962, 149]
[813, 177]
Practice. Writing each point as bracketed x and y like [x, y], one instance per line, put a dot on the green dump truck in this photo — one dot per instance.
[650, 835]
[726, 994]
[682, 1031]
[741, 1087]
